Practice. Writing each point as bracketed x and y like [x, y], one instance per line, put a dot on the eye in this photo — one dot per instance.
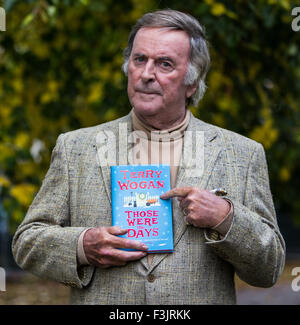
[166, 65]
[139, 59]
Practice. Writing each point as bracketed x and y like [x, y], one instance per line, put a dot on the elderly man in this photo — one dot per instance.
[67, 234]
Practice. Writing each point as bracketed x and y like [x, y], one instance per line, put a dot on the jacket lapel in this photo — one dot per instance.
[112, 148]
[201, 148]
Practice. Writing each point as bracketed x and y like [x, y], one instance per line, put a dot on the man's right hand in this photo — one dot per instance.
[101, 246]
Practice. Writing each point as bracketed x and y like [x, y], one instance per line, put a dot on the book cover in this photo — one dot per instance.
[136, 204]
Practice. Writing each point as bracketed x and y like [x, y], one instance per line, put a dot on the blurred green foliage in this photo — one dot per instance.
[60, 69]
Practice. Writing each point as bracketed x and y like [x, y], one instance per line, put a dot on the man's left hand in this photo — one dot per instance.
[202, 208]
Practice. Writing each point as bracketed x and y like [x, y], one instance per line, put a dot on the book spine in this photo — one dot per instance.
[113, 204]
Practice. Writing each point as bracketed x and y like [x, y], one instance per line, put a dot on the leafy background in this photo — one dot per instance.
[60, 70]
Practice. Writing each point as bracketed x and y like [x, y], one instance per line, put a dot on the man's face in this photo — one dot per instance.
[156, 71]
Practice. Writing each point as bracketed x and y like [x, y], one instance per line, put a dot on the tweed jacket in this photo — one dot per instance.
[75, 195]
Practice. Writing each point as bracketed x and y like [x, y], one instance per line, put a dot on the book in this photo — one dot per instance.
[136, 205]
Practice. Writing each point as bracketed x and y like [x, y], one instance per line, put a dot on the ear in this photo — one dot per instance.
[190, 90]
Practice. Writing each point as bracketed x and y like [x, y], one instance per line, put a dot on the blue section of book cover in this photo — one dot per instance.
[136, 204]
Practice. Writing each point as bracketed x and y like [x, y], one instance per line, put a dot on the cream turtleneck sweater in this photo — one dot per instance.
[154, 146]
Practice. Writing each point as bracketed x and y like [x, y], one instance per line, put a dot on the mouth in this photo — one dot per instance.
[148, 92]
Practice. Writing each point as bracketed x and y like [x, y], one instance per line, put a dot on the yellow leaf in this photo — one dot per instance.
[265, 134]
[110, 114]
[17, 215]
[17, 85]
[22, 140]
[5, 115]
[218, 9]
[6, 152]
[23, 193]
[25, 169]
[96, 92]
[284, 174]
[51, 92]
[4, 181]
[286, 4]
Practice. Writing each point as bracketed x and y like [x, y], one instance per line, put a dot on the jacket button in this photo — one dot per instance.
[151, 277]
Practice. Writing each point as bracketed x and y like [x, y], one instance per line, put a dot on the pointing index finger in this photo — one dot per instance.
[180, 191]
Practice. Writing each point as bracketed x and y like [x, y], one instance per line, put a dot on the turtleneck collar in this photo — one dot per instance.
[149, 132]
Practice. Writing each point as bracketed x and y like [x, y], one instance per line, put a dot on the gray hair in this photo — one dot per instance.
[199, 60]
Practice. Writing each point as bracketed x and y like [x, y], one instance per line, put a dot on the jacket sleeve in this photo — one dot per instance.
[45, 244]
[254, 244]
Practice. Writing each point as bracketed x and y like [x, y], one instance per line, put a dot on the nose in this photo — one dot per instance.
[148, 73]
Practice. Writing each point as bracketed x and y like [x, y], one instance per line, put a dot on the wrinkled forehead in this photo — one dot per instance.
[162, 39]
